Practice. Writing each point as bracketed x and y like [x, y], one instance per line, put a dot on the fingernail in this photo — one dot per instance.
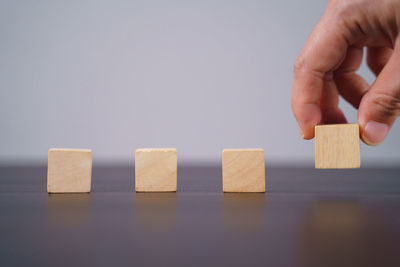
[375, 132]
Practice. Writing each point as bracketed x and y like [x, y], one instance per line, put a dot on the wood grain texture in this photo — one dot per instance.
[337, 146]
[156, 170]
[243, 170]
[69, 170]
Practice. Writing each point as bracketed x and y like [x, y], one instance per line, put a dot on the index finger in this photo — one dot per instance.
[323, 52]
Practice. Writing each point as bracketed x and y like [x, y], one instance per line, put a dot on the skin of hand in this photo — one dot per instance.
[326, 68]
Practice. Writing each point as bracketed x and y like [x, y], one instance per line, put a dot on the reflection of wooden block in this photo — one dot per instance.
[69, 170]
[337, 146]
[156, 170]
[243, 170]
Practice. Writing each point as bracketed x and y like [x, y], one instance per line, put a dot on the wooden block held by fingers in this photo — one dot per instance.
[337, 146]
[69, 170]
[156, 170]
[243, 170]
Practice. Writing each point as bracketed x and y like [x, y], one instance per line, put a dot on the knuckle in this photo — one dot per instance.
[299, 64]
[389, 105]
[344, 9]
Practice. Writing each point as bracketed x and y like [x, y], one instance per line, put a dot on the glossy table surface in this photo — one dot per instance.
[307, 217]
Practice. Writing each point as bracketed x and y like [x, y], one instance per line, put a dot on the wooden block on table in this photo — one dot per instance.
[243, 170]
[156, 170]
[337, 146]
[69, 170]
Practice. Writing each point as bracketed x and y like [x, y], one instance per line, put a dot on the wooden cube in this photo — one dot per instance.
[337, 146]
[156, 170]
[243, 170]
[69, 170]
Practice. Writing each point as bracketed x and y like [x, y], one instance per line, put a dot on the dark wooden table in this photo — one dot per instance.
[307, 218]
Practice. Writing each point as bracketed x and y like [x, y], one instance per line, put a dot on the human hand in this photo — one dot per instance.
[327, 65]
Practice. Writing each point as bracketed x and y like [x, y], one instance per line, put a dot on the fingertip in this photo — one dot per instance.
[374, 133]
[375, 117]
[308, 134]
[307, 127]
[307, 117]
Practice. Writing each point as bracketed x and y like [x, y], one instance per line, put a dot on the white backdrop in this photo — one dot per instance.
[118, 75]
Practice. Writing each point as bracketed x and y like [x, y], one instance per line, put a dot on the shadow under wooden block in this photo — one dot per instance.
[156, 170]
[244, 212]
[71, 210]
[243, 170]
[69, 170]
[337, 146]
[156, 212]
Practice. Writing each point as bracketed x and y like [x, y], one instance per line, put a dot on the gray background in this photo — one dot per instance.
[114, 76]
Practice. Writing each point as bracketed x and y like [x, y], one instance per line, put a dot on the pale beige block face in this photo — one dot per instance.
[69, 170]
[156, 170]
[337, 146]
[243, 170]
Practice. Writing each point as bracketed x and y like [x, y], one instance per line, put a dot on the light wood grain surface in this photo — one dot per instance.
[69, 170]
[156, 170]
[337, 146]
[243, 170]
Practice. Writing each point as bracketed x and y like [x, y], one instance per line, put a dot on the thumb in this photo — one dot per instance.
[380, 106]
